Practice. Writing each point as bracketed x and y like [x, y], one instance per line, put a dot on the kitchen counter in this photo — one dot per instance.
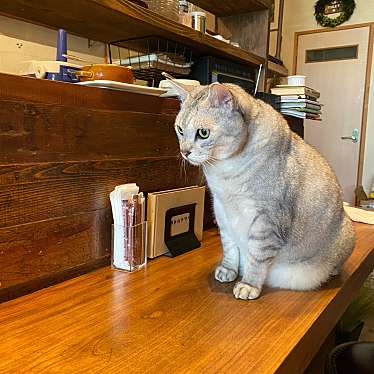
[173, 317]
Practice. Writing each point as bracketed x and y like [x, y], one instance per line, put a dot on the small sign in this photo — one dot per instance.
[334, 7]
[180, 224]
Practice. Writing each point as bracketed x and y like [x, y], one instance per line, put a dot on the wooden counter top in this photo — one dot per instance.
[174, 317]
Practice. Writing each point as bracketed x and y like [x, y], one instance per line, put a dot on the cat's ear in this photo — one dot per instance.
[219, 95]
[181, 89]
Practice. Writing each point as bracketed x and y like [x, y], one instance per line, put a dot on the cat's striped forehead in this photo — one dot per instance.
[197, 110]
[195, 117]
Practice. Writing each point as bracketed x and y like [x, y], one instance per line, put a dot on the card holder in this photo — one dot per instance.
[181, 242]
[168, 218]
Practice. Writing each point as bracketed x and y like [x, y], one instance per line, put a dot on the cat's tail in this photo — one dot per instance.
[309, 274]
[298, 276]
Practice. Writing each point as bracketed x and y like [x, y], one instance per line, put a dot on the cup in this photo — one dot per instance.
[296, 80]
[199, 21]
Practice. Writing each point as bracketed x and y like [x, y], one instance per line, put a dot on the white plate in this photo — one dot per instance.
[124, 87]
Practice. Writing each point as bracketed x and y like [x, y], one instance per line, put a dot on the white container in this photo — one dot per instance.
[296, 80]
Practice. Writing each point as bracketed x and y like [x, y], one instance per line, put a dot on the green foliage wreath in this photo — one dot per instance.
[348, 7]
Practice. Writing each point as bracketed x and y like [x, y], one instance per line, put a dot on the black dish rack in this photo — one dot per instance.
[149, 57]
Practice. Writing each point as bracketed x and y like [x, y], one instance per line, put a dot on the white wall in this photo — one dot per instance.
[299, 16]
[21, 41]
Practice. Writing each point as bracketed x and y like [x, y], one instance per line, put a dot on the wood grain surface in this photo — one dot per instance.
[112, 20]
[33, 132]
[14, 87]
[229, 8]
[173, 317]
[41, 253]
[51, 190]
[240, 29]
[63, 148]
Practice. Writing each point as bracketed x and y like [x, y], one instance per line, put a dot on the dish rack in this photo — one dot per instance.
[149, 57]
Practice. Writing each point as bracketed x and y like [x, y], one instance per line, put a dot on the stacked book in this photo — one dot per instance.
[299, 101]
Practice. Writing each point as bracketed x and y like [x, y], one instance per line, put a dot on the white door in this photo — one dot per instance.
[335, 64]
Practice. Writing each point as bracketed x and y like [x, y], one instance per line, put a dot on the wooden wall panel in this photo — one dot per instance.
[51, 92]
[37, 192]
[39, 248]
[41, 253]
[63, 148]
[33, 132]
[250, 30]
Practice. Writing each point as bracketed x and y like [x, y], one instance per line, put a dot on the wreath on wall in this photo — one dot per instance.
[346, 10]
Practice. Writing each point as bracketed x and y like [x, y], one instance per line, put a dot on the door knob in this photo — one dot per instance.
[353, 137]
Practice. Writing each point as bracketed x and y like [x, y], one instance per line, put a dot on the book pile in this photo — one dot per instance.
[299, 101]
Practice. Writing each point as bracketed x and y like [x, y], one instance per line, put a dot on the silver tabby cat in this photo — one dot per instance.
[276, 200]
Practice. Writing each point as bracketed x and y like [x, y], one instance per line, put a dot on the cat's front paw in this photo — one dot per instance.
[224, 274]
[245, 291]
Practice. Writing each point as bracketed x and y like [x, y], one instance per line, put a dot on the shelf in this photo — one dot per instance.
[277, 69]
[229, 8]
[112, 20]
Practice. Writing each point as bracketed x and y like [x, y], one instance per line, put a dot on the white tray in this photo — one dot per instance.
[134, 88]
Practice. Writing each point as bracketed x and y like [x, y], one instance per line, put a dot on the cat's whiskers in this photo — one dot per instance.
[184, 163]
[182, 167]
[212, 158]
[208, 161]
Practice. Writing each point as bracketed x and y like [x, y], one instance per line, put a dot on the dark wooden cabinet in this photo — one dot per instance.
[63, 148]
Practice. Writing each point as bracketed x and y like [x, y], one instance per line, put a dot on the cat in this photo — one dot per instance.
[277, 202]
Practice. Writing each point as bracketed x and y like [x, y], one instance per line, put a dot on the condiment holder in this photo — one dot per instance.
[129, 231]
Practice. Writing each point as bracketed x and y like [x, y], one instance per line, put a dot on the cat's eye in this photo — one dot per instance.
[203, 133]
[179, 129]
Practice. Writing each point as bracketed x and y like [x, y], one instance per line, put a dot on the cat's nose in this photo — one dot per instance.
[186, 153]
